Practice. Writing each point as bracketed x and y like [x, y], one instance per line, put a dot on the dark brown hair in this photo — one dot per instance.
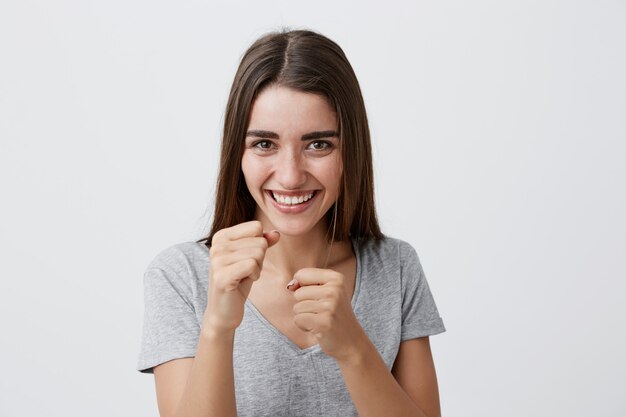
[309, 62]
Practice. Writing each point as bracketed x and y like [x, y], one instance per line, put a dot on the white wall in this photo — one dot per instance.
[499, 136]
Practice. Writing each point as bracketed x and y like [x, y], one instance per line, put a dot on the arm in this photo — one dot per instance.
[375, 391]
[323, 309]
[414, 370]
[236, 256]
[203, 386]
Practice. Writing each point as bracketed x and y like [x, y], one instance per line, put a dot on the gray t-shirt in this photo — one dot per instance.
[273, 376]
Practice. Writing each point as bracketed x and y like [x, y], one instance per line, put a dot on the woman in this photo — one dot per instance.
[296, 304]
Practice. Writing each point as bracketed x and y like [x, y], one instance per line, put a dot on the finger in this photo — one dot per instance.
[272, 237]
[244, 242]
[246, 229]
[229, 258]
[293, 285]
[305, 321]
[309, 306]
[312, 292]
[315, 276]
[235, 273]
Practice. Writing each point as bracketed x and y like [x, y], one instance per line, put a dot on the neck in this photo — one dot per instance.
[311, 250]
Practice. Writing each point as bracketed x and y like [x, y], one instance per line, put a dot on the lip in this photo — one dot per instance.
[289, 209]
[292, 193]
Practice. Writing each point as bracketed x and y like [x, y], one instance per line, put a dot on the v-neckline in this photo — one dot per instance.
[316, 347]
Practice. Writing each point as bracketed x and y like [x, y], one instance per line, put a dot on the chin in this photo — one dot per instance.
[293, 228]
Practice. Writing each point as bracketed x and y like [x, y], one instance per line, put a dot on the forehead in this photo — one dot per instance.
[283, 109]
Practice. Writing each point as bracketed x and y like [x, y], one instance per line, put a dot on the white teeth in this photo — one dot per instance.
[290, 201]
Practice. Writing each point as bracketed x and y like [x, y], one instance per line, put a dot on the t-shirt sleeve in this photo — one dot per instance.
[420, 316]
[170, 327]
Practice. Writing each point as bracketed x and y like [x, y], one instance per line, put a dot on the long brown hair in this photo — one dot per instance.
[309, 62]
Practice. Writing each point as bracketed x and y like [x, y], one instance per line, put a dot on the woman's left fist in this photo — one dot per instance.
[324, 309]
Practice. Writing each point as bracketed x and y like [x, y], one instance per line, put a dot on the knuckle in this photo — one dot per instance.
[299, 294]
[259, 253]
[298, 321]
[218, 236]
[257, 227]
[298, 276]
[339, 277]
[216, 249]
[331, 294]
[251, 265]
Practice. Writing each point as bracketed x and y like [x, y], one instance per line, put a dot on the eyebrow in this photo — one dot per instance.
[266, 134]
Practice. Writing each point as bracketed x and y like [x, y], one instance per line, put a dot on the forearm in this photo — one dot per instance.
[374, 390]
[210, 388]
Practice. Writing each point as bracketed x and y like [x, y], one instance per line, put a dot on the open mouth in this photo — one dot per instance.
[291, 200]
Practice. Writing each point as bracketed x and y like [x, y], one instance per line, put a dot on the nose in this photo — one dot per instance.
[290, 172]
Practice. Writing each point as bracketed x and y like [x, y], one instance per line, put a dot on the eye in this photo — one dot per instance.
[263, 145]
[320, 145]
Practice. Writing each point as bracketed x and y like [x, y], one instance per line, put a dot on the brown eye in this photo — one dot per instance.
[320, 145]
[263, 145]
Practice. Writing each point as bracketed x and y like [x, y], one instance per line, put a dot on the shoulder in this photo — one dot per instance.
[394, 260]
[184, 261]
[179, 255]
[389, 249]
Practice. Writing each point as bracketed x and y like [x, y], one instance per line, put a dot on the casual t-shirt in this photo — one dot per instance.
[273, 376]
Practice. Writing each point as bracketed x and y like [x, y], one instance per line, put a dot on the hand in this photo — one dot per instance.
[236, 255]
[324, 309]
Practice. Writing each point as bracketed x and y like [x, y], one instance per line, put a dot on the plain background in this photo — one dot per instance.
[499, 145]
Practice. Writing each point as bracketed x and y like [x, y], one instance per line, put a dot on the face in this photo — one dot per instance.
[292, 161]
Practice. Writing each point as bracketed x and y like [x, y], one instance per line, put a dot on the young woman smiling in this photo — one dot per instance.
[296, 304]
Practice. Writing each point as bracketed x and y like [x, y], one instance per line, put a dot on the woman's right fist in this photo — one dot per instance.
[236, 260]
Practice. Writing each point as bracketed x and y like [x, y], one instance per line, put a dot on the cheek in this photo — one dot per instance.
[253, 170]
[248, 168]
[333, 172]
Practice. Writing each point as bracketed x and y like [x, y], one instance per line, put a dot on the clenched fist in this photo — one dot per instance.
[324, 309]
[236, 260]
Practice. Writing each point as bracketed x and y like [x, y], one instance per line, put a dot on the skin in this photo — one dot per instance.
[292, 164]
[257, 260]
[288, 163]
